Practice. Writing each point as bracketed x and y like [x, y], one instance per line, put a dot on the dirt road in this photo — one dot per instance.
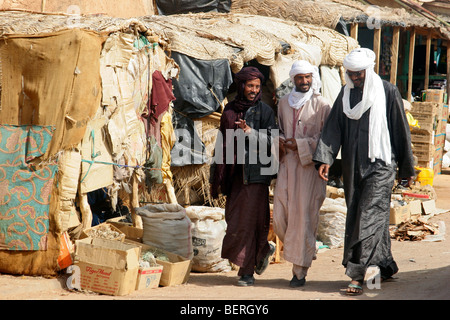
[424, 275]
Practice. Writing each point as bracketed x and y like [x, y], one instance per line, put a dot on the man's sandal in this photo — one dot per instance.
[354, 290]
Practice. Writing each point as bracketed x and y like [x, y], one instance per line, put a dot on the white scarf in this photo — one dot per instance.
[374, 98]
[298, 99]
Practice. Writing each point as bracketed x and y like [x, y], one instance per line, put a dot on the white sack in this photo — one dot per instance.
[208, 231]
[331, 230]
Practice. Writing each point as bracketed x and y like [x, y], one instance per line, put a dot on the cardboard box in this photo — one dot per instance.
[419, 107]
[107, 266]
[434, 95]
[175, 271]
[149, 277]
[399, 214]
[429, 208]
[422, 137]
[415, 207]
[131, 233]
[423, 147]
[88, 233]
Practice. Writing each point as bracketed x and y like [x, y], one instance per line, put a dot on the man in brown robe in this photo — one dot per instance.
[244, 177]
[299, 192]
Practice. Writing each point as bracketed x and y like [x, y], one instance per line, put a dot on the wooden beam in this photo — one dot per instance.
[354, 31]
[137, 220]
[412, 45]
[394, 54]
[448, 71]
[377, 47]
[427, 62]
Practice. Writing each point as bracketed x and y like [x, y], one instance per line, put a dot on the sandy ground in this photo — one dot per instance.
[424, 275]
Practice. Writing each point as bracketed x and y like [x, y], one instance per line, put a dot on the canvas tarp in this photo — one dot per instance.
[45, 80]
[25, 189]
[29, 220]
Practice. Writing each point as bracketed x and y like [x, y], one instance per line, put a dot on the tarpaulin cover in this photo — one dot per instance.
[167, 7]
[51, 79]
[24, 189]
[201, 87]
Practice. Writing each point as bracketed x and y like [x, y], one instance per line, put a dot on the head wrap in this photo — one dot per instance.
[298, 99]
[240, 103]
[374, 98]
[359, 59]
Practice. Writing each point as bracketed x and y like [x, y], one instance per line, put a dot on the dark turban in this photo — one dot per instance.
[240, 103]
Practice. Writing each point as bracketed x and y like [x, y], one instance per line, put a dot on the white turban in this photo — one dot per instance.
[374, 98]
[298, 99]
[359, 59]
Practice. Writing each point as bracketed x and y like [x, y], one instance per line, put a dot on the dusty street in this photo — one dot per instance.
[424, 275]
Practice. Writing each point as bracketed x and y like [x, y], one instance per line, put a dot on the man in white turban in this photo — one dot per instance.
[299, 192]
[369, 125]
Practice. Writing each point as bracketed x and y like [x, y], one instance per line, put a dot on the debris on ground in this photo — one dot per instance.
[414, 230]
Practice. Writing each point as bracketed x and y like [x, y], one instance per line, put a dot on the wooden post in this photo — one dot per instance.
[354, 31]
[137, 220]
[412, 44]
[448, 72]
[394, 54]
[427, 62]
[170, 190]
[377, 48]
[85, 208]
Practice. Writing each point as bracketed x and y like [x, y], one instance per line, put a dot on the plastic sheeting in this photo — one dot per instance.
[201, 87]
[168, 7]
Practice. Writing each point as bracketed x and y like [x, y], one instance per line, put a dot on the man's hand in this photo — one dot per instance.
[243, 125]
[323, 171]
[290, 144]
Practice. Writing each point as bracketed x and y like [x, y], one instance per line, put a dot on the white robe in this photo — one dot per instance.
[299, 191]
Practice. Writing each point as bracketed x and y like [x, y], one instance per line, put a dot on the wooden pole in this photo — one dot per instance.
[427, 62]
[448, 71]
[394, 54]
[85, 209]
[354, 31]
[137, 220]
[412, 44]
[377, 48]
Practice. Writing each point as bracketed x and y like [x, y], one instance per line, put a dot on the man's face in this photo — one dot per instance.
[251, 89]
[303, 82]
[357, 78]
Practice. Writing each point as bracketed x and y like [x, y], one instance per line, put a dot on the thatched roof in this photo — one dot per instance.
[329, 12]
[112, 8]
[236, 37]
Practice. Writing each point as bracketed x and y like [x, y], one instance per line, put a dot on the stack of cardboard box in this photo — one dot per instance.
[429, 140]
